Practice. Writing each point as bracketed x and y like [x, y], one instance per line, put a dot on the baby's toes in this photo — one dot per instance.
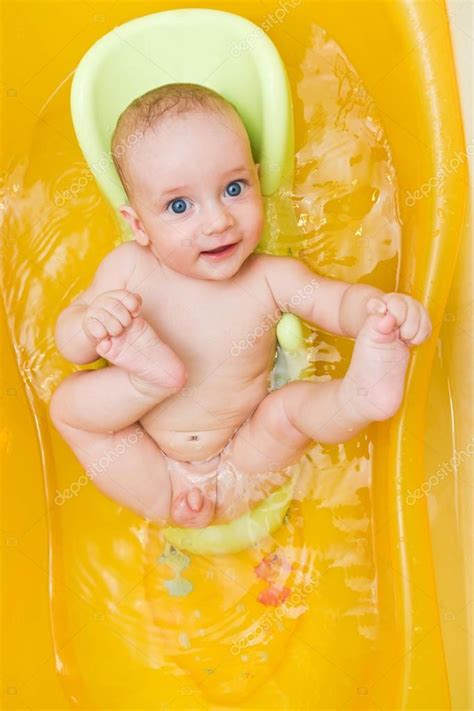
[386, 324]
[379, 329]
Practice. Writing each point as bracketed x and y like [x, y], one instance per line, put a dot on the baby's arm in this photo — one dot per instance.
[287, 420]
[112, 275]
[341, 308]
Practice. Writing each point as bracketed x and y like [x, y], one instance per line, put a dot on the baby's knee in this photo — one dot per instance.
[59, 401]
[57, 408]
[279, 408]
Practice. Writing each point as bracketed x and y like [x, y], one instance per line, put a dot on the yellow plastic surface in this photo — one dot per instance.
[83, 599]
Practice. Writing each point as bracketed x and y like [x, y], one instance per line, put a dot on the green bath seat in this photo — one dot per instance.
[237, 535]
[215, 49]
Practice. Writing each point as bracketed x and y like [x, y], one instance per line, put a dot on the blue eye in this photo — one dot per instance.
[178, 206]
[234, 189]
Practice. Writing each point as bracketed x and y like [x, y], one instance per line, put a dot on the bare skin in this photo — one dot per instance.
[182, 330]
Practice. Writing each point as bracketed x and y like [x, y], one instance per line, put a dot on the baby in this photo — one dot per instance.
[200, 437]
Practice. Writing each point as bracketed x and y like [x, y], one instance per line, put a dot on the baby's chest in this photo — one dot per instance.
[214, 329]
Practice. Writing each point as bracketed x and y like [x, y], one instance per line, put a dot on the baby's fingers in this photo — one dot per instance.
[112, 326]
[411, 326]
[424, 329]
[133, 302]
[398, 307]
[94, 328]
[117, 309]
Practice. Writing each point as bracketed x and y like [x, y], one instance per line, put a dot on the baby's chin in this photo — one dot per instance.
[215, 272]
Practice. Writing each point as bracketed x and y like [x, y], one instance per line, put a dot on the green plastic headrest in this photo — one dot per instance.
[219, 50]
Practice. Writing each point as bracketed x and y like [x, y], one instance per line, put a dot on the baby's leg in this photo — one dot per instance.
[97, 411]
[145, 371]
[126, 466]
[287, 420]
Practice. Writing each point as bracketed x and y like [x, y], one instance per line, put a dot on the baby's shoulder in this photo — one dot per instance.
[118, 265]
[268, 265]
[127, 257]
[126, 252]
[284, 276]
[124, 255]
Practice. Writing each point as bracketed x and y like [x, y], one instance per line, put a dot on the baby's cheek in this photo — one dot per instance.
[255, 227]
[180, 258]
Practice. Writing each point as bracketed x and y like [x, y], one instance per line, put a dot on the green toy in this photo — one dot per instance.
[231, 55]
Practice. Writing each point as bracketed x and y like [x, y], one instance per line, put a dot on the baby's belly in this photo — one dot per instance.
[192, 446]
[198, 428]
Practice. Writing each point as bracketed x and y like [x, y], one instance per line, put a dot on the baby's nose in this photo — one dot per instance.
[218, 221]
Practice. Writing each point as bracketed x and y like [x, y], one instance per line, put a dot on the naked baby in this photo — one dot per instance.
[166, 309]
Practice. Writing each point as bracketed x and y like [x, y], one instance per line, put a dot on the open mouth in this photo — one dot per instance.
[219, 252]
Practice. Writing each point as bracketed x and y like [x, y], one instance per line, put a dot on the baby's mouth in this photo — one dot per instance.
[219, 252]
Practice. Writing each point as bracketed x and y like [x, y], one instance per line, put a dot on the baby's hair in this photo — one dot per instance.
[149, 110]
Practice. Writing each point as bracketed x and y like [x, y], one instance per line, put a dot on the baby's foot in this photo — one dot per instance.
[375, 381]
[191, 509]
[148, 360]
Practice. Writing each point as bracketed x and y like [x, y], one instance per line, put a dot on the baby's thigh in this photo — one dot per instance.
[268, 441]
[127, 466]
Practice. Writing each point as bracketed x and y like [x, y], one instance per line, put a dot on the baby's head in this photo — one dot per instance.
[185, 161]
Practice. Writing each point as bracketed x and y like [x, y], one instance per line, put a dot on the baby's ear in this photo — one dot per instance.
[129, 214]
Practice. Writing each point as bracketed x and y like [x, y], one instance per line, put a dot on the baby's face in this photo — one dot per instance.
[196, 199]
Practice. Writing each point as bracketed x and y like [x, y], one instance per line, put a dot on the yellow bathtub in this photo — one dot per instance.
[378, 614]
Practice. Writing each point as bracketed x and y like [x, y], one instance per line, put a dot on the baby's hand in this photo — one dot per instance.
[402, 313]
[110, 313]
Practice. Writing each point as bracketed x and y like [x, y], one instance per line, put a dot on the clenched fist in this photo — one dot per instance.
[110, 314]
[404, 314]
